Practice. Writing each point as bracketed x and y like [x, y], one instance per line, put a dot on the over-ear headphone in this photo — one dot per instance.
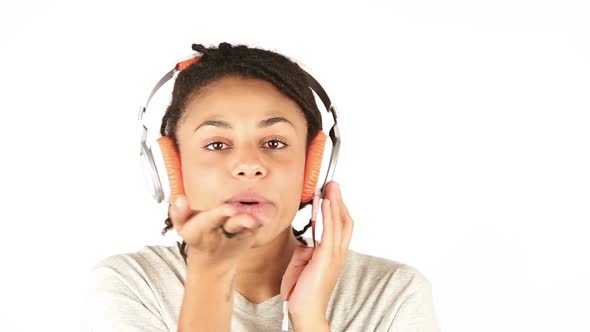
[162, 166]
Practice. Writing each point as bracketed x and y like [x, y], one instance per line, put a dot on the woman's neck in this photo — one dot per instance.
[259, 276]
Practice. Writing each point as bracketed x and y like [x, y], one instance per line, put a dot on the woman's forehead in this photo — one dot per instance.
[232, 91]
[239, 99]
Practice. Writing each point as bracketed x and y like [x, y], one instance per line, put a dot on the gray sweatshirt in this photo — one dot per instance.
[143, 291]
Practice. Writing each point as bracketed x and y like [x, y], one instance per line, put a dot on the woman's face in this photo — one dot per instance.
[228, 146]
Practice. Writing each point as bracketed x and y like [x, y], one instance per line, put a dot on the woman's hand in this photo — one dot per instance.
[201, 230]
[315, 271]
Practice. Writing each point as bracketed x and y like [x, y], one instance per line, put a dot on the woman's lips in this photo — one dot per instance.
[260, 211]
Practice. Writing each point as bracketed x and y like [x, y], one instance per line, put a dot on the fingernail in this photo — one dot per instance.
[180, 202]
[264, 220]
[337, 187]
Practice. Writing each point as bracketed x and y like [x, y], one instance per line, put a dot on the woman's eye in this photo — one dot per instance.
[273, 144]
[216, 146]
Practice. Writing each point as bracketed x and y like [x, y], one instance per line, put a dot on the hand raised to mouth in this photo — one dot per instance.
[202, 230]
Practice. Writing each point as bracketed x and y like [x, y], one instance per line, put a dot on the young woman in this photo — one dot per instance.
[244, 125]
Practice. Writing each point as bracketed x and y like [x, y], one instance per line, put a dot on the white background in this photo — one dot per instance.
[465, 143]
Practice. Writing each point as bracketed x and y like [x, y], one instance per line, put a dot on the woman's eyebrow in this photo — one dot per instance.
[262, 124]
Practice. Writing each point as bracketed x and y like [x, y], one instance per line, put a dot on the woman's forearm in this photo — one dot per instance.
[318, 325]
[208, 298]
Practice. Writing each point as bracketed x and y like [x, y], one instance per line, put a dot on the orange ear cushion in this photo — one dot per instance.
[173, 167]
[313, 164]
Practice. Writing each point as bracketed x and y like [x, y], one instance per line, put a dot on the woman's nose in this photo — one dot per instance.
[249, 170]
[249, 165]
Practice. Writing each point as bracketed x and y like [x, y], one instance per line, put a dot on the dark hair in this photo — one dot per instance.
[245, 62]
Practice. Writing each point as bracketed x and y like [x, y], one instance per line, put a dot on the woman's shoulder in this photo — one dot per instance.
[383, 269]
[375, 289]
[146, 284]
[372, 267]
[148, 263]
[386, 283]
[384, 293]
[372, 274]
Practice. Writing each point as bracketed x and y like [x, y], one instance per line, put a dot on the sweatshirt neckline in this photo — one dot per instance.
[267, 308]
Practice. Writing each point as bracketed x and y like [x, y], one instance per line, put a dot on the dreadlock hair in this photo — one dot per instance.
[244, 62]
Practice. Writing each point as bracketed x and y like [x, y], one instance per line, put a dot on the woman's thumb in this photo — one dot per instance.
[301, 255]
[178, 211]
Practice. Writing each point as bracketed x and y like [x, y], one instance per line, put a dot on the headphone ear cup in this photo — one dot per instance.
[173, 168]
[313, 164]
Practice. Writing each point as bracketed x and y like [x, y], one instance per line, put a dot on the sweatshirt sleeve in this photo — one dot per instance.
[416, 313]
[113, 304]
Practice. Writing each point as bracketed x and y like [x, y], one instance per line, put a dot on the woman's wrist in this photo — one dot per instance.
[205, 264]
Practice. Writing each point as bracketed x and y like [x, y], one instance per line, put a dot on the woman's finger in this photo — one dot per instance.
[345, 220]
[300, 258]
[301, 255]
[240, 222]
[206, 222]
[327, 235]
[347, 225]
[179, 212]
[337, 218]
